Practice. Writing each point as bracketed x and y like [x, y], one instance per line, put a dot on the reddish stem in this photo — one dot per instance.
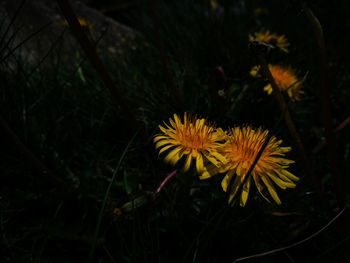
[165, 181]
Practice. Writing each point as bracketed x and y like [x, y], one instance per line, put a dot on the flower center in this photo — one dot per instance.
[192, 138]
[244, 153]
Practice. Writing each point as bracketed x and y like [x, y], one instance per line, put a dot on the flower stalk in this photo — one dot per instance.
[290, 124]
[326, 112]
[165, 181]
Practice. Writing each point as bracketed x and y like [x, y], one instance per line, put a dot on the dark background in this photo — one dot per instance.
[64, 139]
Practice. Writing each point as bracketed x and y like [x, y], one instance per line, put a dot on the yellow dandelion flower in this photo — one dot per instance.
[279, 41]
[193, 138]
[285, 78]
[84, 23]
[241, 150]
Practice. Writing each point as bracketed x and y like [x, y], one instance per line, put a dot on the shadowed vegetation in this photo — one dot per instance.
[78, 181]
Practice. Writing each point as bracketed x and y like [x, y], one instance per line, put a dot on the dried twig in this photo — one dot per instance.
[96, 62]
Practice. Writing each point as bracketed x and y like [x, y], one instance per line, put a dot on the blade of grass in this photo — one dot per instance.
[58, 40]
[12, 21]
[274, 130]
[31, 158]
[25, 40]
[217, 217]
[10, 40]
[99, 220]
[267, 139]
[109, 255]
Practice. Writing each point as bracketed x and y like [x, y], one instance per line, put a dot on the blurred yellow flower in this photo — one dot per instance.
[285, 78]
[241, 149]
[261, 11]
[214, 4]
[265, 36]
[254, 72]
[84, 23]
[193, 138]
